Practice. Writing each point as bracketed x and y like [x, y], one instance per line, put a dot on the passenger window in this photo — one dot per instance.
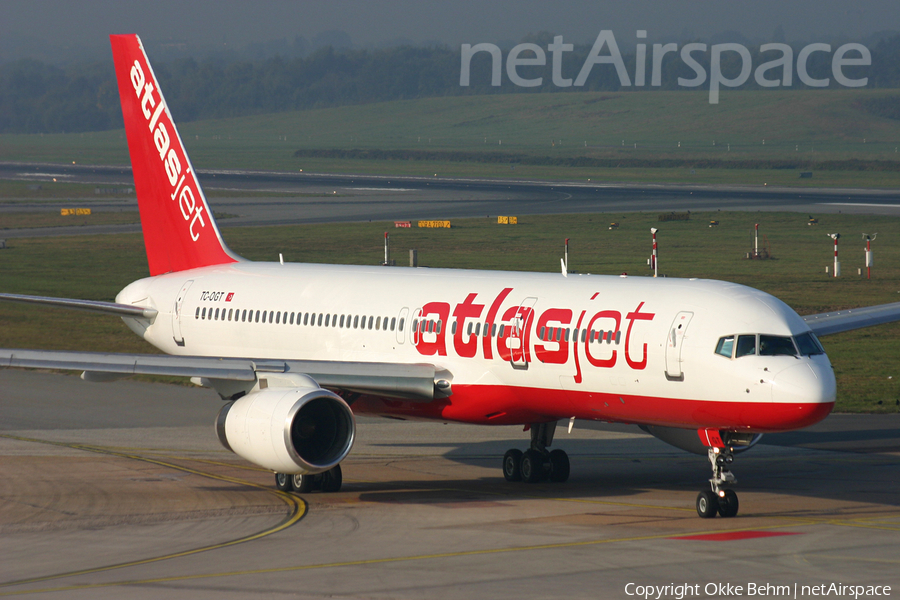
[725, 347]
[197, 314]
[402, 323]
[230, 311]
[378, 324]
[257, 317]
[371, 320]
[243, 315]
[204, 313]
[746, 346]
[319, 321]
[327, 320]
[278, 317]
[292, 318]
[356, 322]
[494, 330]
[216, 318]
[776, 345]
[583, 334]
[394, 322]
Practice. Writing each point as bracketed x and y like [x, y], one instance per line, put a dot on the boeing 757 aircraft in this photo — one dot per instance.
[295, 350]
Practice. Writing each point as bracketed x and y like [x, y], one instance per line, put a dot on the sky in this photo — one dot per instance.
[35, 27]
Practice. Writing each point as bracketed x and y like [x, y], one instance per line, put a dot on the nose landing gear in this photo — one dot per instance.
[537, 463]
[718, 499]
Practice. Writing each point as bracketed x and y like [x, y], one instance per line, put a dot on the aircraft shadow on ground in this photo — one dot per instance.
[630, 467]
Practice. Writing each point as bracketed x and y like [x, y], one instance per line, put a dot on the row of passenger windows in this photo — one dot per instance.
[298, 318]
[556, 334]
[548, 334]
[805, 344]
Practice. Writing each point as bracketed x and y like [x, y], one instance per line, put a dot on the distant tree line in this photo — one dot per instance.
[39, 98]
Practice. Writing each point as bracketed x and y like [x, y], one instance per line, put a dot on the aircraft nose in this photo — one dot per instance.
[808, 387]
[807, 382]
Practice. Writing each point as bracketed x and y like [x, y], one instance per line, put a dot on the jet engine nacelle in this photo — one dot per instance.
[689, 440]
[288, 430]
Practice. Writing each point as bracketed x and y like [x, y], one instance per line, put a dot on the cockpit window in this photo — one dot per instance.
[808, 344]
[725, 346]
[776, 345]
[746, 346]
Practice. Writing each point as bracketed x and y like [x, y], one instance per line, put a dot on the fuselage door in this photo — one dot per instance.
[401, 325]
[176, 313]
[674, 343]
[519, 352]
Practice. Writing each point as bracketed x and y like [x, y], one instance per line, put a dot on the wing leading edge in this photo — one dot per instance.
[412, 382]
[854, 318]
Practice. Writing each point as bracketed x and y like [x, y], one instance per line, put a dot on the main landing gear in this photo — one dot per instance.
[537, 463]
[718, 499]
[329, 481]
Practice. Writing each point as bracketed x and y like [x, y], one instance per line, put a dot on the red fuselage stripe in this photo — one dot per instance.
[519, 405]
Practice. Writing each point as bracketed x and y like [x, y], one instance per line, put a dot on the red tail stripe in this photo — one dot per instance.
[179, 230]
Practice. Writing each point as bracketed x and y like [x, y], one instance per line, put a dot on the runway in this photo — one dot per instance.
[318, 198]
[121, 490]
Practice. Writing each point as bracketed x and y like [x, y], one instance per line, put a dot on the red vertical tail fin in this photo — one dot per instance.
[179, 230]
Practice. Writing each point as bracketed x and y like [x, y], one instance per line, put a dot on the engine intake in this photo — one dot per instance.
[288, 430]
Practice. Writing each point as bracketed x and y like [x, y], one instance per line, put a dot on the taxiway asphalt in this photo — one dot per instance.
[121, 490]
[318, 198]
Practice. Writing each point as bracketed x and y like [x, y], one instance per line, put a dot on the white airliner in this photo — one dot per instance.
[296, 349]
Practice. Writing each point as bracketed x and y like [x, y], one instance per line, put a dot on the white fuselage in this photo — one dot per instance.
[629, 349]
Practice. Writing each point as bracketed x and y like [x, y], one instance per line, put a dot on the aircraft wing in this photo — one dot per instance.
[412, 382]
[854, 318]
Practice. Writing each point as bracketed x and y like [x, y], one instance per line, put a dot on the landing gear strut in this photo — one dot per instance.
[330, 481]
[537, 463]
[718, 499]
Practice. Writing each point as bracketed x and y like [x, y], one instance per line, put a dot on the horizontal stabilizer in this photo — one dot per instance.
[112, 308]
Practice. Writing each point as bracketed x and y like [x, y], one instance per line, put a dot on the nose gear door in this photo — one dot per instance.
[674, 343]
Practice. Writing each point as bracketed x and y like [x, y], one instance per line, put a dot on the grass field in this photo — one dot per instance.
[867, 362]
[761, 126]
